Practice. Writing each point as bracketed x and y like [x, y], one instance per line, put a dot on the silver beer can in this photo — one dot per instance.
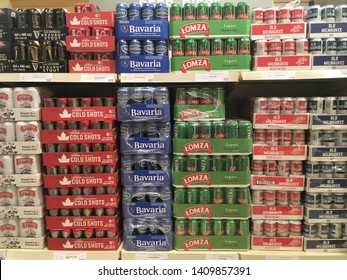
[9, 227]
[335, 230]
[7, 132]
[341, 13]
[330, 105]
[27, 164]
[6, 164]
[6, 98]
[28, 131]
[31, 228]
[323, 231]
[342, 105]
[328, 13]
[30, 196]
[314, 13]
[8, 197]
[27, 98]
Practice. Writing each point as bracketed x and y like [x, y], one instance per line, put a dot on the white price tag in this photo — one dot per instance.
[156, 256]
[212, 76]
[137, 78]
[76, 256]
[278, 75]
[282, 258]
[2, 255]
[222, 257]
[36, 77]
[98, 78]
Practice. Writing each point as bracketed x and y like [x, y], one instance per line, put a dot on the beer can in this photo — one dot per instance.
[300, 105]
[6, 98]
[270, 168]
[341, 138]
[257, 167]
[283, 14]
[270, 228]
[323, 231]
[53, 233]
[244, 46]
[312, 200]
[148, 47]
[270, 198]
[339, 200]
[30, 196]
[8, 197]
[315, 105]
[344, 230]
[258, 227]
[258, 197]
[7, 164]
[326, 200]
[48, 18]
[61, 148]
[111, 233]
[65, 212]
[335, 230]
[161, 48]
[26, 98]
[282, 198]
[27, 164]
[31, 228]
[314, 13]
[63, 169]
[342, 105]
[328, 13]
[7, 132]
[176, 12]
[229, 11]
[122, 48]
[286, 137]
[315, 46]
[177, 48]
[60, 17]
[99, 233]
[296, 167]
[180, 227]
[161, 11]
[314, 137]
[147, 11]
[22, 18]
[51, 170]
[61, 102]
[273, 105]
[310, 230]
[283, 168]
[341, 13]
[77, 233]
[34, 18]
[301, 46]
[329, 46]
[258, 15]
[294, 198]
[330, 105]
[103, 56]
[190, 48]
[340, 169]
[73, 147]
[260, 105]
[275, 47]
[295, 228]
[272, 137]
[298, 137]
[121, 11]
[270, 15]
[260, 47]
[216, 11]
[282, 229]
[287, 105]
[341, 46]
[297, 14]
[327, 138]
[288, 47]
[9, 227]
[102, 31]
[28, 131]
[193, 227]
[135, 47]
[259, 136]
[206, 227]
[243, 11]
[79, 31]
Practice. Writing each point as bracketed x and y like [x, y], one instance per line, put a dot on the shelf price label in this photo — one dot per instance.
[137, 78]
[36, 77]
[292, 258]
[222, 76]
[278, 75]
[156, 256]
[98, 78]
[222, 257]
[69, 256]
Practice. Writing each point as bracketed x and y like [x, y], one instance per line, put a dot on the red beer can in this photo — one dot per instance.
[272, 137]
[270, 167]
[79, 31]
[81, 55]
[295, 228]
[286, 137]
[297, 14]
[102, 31]
[299, 137]
[283, 15]
[259, 136]
[270, 198]
[103, 56]
[273, 105]
[275, 47]
[296, 167]
[282, 198]
[257, 197]
[259, 105]
[288, 47]
[270, 228]
[270, 15]
[258, 167]
[260, 47]
[283, 168]
[282, 228]
[294, 198]
[287, 105]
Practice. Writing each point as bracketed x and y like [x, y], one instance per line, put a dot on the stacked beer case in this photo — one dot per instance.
[91, 40]
[142, 38]
[210, 37]
[278, 180]
[21, 194]
[210, 173]
[327, 32]
[145, 144]
[325, 226]
[81, 158]
[279, 39]
[33, 41]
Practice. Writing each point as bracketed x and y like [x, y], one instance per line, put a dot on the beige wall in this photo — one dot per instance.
[67, 4]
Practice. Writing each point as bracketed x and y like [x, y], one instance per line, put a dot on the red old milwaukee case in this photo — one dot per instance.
[90, 43]
[282, 63]
[72, 222]
[84, 158]
[294, 243]
[78, 136]
[278, 31]
[265, 152]
[81, 180]
[293, 212]
[78, 113]
[85, 201]
[103, 19]
[281, 121]
[278, 183]
[84, 244]
[92, 66]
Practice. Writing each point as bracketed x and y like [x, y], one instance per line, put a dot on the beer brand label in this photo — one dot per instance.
[27, 193]
[197, 146]
[190, 113]
[102, 19]
[78, 136]
[24, 97]
[8, 227]
[96, 43]
[197, 242]
[322, 214]
[283, 62]
[276, 212]
[330, 29]
[282, 31]
[285, 183]
[82, 222]
[147, 209]
[87, 201]
[93, 244]
[4, 96]
[327, 183]
[277, 242]
[326, 244]
[81, 180]
[198, 211]
[71, 158]
[196, 178]
[263, 152]
[29, 225]
[29, 127]
[195, 63]
[6, 195]
[194, 28]
[20, 161]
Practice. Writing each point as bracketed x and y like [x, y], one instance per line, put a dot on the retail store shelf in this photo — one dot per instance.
[285, 255]
[293, 75]
[180, 255]
[45, 254]
[190, 77]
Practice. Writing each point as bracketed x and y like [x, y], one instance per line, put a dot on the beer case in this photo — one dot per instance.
[6, 50]
[277, 183]
[20, 148]
[327, 62]
[292, 243]
[212, 178]
[324, 153]
[327, 30]
[101, 19]
[26, 66]
[5, 34]
[152, 210]
[142, 29]
[90, 43]
[209, 29]
[92, 66]
[325, 245]
[319, 215]
[281, 63]
[143, 112]
[320, 185]
[54, 67]
[145, 145]
[5, 67]
[84, 244]
[142, 64]
[21, 180]
[146, 177]
[183, 64]
[291, 212]
[7, 18]
[19, 114]
[39, 34]
[23, 242]
[265, 152]
[27, 212]
[77, 113]
[280, 121]
[212, 146]
[295, 30]
[328, 122]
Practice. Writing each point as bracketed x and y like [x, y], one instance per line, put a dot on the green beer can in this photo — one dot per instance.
[202, 11]
[243, 11]
[205, 96]
[230, 47]
[245, 130]
[205, 196]
[193, 227]
[192, 196]
[179, 195]
[243, 163]
[218, 196]
[205, 130]
[219, 130]
[228, 11]
[175, 12]
[218, 163]
[230, 164]
[192, 130]
[217, 47]
[231, 195]
[204, 164]
[231, 128]
[192, 164]
[206, 227]
[230, 227]
[218, 94]
[244, 46]
[180, 227]
[181, 96]
[179, 164]
[243, 196]
[189, 11]
[191, 48]
[193, 96]
[204, 47]
[216, 11]
[244, 227]
[179, 130]
[177, 48]
[218, 227]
